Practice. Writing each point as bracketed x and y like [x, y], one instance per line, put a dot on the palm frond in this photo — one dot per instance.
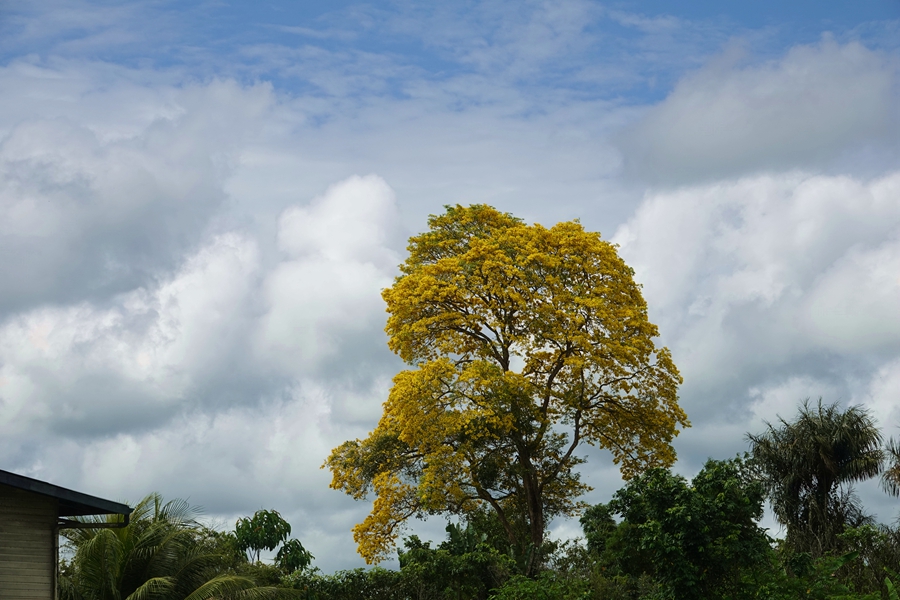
[268, 593]
[890, 478]
[221, 587]
[157, 587]
[809, 466]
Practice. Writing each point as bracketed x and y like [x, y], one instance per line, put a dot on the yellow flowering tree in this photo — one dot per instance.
[523, 343]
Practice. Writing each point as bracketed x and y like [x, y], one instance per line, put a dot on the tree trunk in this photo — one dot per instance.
[535, 505]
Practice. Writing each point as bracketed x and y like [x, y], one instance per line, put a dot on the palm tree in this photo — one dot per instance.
[809, 466]
[890, 479]
[160, 554]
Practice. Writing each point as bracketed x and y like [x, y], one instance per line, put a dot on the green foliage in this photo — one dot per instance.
[163, 554]
[697, 540]
[674, 540]
[463, 566]
[809, 579]
[545, 587]
[573, 573]
[889, 585]
[223, 544]
[890, 478]
[292, 556]
[879, 552]
[598, 525]
[265, 530]
[355, 584]
[702, 540]
[768, 580]
[809, 465]
[518, 548]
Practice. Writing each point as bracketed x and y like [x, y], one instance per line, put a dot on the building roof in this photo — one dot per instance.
[71, 503]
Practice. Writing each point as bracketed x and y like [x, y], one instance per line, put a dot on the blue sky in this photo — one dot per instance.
[200, 203]
[654, 42]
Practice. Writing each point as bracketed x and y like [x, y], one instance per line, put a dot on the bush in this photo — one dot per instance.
[354, 584]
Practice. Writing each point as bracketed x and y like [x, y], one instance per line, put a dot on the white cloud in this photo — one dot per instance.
[131, 393]
[770, 284]
[231, 463]
[330, 284]
[101, 204]
[145, 358]
[854, 306]
[85, 368]
[771, 403]
[112, 392]
[881, 397]
[807, 108]
[353, 220]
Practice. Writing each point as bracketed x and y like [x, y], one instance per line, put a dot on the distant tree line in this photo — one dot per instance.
[660, 537]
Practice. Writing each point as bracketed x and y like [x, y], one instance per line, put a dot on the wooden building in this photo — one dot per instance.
[31, 514]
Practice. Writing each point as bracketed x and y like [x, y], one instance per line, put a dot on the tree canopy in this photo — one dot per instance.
[697, 540]
[265, 530]
[523, 342]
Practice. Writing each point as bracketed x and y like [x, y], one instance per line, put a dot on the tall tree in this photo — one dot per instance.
[524, 342]
[809, 466]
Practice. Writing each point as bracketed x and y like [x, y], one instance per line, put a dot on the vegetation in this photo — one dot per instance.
[266, 530]
[660, 537]
[809, 466]
[524, 342]
[697, 540]
[162, 553]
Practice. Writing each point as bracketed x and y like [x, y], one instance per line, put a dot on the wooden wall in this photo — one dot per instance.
[27, 545]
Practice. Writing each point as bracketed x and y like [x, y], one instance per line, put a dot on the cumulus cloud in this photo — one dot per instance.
[772, 289]
[336, 264]
[214, 374]
[89, 209]
[882, 394]
[230, 463]
[854, 305]
[90, 370]
[809, 107]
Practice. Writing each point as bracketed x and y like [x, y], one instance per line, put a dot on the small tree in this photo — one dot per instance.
[463, 566]
[265, 530]
[293, 556]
